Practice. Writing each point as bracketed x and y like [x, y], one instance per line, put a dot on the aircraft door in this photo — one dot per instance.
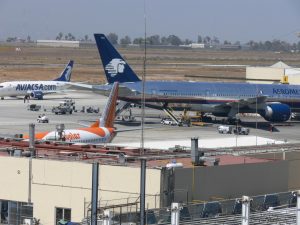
[153, 92]
[207, 94]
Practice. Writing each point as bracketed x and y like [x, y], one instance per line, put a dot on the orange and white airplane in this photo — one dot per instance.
[102, 131]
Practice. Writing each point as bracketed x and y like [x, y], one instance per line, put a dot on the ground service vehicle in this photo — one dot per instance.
[64, 107]
[42, 119]
[33, 107]
[168, 122]
[62, 110]
[225, 129]
[241, 130]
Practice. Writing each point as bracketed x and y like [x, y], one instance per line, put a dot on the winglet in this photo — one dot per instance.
[115, 67]
[66, 73]
[108, 116]
[95, 124]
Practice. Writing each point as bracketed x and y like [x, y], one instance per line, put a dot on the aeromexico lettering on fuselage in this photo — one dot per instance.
[35, 87]
[286, 91]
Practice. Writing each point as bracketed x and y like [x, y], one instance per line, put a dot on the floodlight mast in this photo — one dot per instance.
[143, 161]
[143, 82]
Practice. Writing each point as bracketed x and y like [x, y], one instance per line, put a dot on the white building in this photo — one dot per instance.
[58, 43]
[274, 73]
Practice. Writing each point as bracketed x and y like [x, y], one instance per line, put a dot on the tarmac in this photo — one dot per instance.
[15, 119]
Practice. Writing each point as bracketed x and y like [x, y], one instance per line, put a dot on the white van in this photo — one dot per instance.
[222, 129]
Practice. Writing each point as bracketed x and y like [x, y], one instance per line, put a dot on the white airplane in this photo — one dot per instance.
[102, 131]
[37, 89]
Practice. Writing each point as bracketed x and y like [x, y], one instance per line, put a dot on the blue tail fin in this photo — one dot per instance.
[115, 67]
[66, 73]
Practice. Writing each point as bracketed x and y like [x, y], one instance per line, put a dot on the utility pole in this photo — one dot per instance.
[95, 182]
[143, 191]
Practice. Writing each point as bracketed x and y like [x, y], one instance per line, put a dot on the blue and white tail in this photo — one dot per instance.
[115, 67]
[66, 73]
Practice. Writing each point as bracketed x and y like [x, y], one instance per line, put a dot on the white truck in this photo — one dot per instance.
[168, 121]
[42, 118]
[241, 130]
[223, 129]
[67, 106]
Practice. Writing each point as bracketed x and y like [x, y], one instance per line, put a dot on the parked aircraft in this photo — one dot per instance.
[37, 89]
[274, 102]
[102, 131]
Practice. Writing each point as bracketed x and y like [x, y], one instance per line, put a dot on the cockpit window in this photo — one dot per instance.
[1, 86]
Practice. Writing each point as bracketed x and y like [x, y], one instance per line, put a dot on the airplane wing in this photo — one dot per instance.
[244, 102]
[80, 86]
[85, 123]
[233, 107]
[102, 89]
[132, 129]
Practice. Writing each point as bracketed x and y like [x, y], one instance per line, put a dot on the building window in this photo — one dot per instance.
[62, 214]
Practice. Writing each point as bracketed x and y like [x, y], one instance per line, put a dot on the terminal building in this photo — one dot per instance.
[56, 184]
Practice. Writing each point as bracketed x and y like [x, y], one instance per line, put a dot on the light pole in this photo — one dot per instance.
[256, 116]
[237, 122]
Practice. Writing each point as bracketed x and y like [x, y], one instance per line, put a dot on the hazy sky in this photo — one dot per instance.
[231, 20]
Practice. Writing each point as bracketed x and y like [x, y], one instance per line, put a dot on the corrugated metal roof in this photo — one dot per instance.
[223, 160]
[280, 64]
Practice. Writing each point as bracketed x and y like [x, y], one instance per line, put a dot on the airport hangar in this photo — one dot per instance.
[276, 73]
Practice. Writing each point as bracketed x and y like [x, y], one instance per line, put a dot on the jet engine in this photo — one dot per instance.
[276, 112]
[37, 94]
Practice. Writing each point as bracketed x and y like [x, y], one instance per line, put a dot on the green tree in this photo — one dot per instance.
[59, 36]
[199, 39]
[11, 39]
[187, 41]
[207, 40]
[70, 37]
[138, 41]
[113, 38]
[174, 40]
[125, 41]
[28, 39]
[268, 45]
[164, 41]
[154, 40]
[215, 40]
